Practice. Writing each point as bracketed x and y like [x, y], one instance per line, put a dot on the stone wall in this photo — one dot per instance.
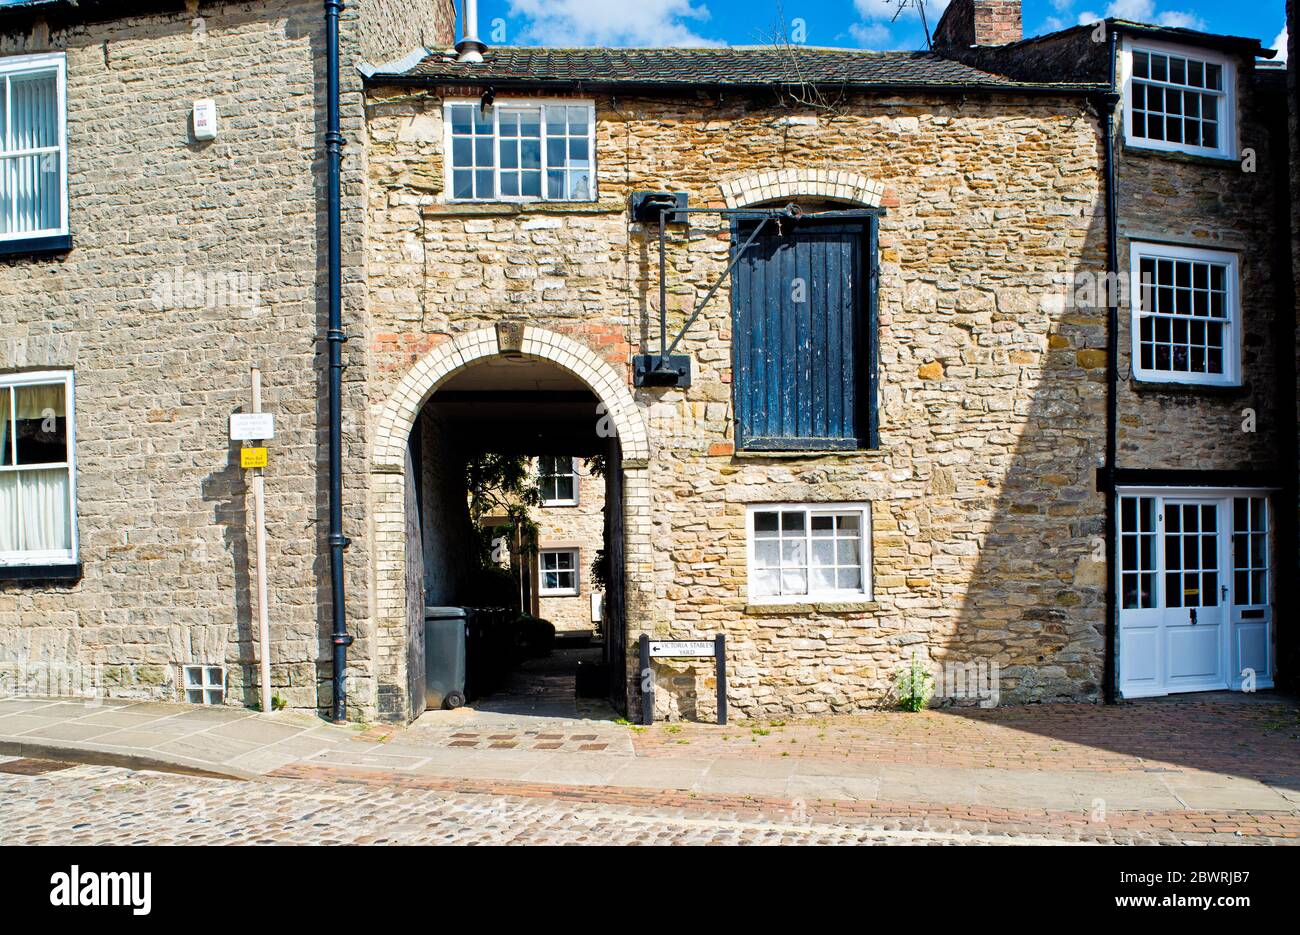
[986, 514]
[983, 489]
[163, 510]
[581, 527]
[1214, 204]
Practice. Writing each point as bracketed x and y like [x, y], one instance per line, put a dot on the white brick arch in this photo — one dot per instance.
[388, 630]
[404, 405]
[786, 184]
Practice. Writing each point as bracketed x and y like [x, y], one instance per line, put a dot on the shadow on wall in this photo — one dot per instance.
[1027, 532]
[227, 491]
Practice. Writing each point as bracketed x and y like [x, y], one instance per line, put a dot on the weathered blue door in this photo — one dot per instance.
[803, 329]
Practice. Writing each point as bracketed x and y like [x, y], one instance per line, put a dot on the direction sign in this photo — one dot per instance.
[682, 649]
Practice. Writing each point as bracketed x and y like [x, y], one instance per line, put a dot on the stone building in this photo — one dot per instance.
[945, 493]
[873, 403]
[143, 275]
[570, 532]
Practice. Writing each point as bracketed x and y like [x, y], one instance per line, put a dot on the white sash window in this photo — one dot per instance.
[37, 489]
[1179, 99]
[33, 147]
[1186, 315]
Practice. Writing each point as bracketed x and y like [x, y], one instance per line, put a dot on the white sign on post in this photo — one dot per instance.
[681, 649]
[252, 426]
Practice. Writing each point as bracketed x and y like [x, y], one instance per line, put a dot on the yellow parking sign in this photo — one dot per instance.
[252, 457]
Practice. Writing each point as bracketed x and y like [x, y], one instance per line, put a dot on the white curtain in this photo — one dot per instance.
[33, 402]
[45, 510]
[34, 511]
[8, 511]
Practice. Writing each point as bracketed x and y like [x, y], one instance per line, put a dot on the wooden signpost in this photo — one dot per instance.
[257, 426]
[682, 649]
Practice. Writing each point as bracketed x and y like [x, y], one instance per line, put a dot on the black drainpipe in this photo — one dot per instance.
[335, 338]
[1112, 363]
[1284, 338]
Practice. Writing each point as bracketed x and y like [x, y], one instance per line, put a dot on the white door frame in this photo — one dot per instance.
[1232, 624]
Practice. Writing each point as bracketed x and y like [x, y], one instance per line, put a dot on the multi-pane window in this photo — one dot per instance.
[557, 480]
[1185, 318]
[1179, 101]
[808, 552]
[1138, 552]
[1191, 555]
[559, 568]
[519, 151]
[37, 497]
[33, 147]
[568, 152]
[473, 153]
[1250, 550]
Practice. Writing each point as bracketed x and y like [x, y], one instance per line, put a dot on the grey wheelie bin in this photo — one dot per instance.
[446, 663]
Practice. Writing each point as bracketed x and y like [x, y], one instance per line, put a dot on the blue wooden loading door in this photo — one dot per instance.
[803, 325]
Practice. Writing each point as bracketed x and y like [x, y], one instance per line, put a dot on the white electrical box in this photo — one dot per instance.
[205, 119]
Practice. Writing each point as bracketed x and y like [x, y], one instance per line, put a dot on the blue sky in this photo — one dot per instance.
[857, 23]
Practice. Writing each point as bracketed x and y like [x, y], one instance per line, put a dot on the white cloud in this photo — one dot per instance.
[883, 26]
[1181, 18]
[1279, 45]
[885, 10]
[871, 35]
[1144, 11]
[571, 23]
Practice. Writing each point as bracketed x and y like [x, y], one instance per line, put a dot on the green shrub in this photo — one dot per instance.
[914, 685]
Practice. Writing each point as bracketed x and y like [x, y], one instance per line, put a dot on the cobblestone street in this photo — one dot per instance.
[1216, 770]
[106, 805]
[46, 802]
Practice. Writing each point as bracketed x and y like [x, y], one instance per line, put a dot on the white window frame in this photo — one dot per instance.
[1227, 148]
[1231, 375]
[809, 509]
[17, 65]
[561, 501]
[514, 104]
[543, 590]
[47, 378]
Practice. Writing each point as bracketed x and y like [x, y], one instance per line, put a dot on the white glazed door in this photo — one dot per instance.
[1194, 595]
[1175, 591]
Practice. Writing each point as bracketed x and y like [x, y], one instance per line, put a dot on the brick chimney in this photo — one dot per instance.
[978, 22]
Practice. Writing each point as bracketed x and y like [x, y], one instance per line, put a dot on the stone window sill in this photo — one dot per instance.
[481, 209]
[759, 454]
[815, 607]
[41, 574]
[36, 246]
[1173, 155]
[1157, 388]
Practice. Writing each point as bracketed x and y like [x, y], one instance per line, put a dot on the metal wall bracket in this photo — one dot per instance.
[653, 370]
[647, 207]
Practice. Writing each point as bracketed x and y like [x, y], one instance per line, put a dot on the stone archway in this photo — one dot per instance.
[831, 184]
[388, 479]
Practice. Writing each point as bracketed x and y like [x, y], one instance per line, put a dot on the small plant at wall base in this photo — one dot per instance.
[914, 685]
